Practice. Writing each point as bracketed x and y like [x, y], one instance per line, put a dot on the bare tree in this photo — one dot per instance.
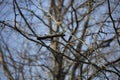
[60, 39]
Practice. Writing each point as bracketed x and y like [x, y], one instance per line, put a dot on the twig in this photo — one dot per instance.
[51, 36]
[109, 9]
